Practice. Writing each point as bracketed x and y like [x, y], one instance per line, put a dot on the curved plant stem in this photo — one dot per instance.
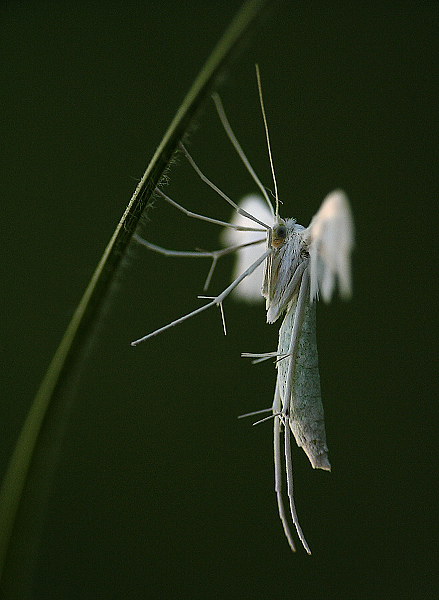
[64, 364]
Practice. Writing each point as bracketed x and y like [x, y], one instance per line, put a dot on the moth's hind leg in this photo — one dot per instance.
[282, 419]
[290, 490]
[214, 254]
[193, 215]
[216, 301]
[278, 483]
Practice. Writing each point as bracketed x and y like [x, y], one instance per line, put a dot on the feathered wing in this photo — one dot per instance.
[249, 290]
[330, 238]
[298, 381]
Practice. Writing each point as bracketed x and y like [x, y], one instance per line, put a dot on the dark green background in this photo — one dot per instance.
[160, 491]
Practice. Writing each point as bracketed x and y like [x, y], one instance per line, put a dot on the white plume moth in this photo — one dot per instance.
[299, 263]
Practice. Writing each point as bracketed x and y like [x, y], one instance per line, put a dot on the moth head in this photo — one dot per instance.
[279, 234]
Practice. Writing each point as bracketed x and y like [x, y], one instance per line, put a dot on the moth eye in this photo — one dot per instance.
[279, 235]
[281, 232]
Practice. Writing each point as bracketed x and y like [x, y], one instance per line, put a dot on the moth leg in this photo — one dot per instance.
[255, 412]
[189, 213]
[232, 137]
[260, 356]
[278, 420]
[221, 307]
[292, 355]
[238, 209]
[278, 473]
[215, 302]
[213, 254]
[289, 470]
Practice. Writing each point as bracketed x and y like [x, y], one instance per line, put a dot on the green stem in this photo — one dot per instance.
[63, 366]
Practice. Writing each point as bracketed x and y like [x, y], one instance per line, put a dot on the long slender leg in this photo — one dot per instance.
[239, 210]
[278, 471]
[239, 150]
[216, 301]
[292, 355]
[213, 254]
[255, 412]
[259, 356]
[189, 213]
[289, 470]
[197, 253]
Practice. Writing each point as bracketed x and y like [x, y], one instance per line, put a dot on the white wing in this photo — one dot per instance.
[330, 237]
[249, 290]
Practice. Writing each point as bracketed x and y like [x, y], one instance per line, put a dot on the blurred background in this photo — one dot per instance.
[160, 491]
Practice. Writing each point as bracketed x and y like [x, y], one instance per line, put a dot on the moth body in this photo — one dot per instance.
[297, 364]
[299, 263]
[306, 417]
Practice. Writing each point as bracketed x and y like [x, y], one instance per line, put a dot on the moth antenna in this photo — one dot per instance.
[239, 150]
[261, 101]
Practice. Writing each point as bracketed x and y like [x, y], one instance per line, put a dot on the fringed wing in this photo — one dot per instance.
[306, 417]
[330, 238]
[249, 290]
